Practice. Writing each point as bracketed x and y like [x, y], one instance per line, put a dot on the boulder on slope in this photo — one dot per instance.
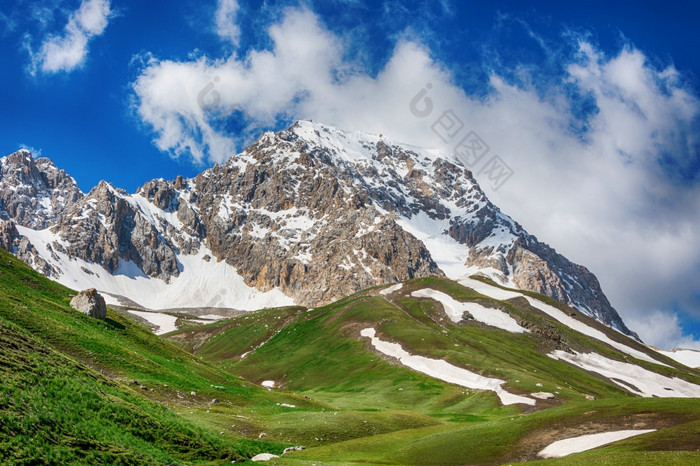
[90, 302]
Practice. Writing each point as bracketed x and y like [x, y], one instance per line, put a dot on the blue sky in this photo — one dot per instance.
[594, 107]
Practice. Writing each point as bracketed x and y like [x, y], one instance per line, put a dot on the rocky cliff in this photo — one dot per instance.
[312, 212]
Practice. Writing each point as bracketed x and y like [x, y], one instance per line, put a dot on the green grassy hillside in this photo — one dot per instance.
[67, 392]
[321, 354]
[83, 391]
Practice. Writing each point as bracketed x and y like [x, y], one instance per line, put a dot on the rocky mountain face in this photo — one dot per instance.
[34, 193]
[312, 211]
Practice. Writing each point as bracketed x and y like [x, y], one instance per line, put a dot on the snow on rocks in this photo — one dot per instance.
[200, 283]
[587, 442]
[631, 377]
[164, 322]
[445, 371]
[391, 289]
[558, 315]
[455, 310]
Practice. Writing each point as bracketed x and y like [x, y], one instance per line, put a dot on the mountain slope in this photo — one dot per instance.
[66, 395]
[522, 394]
[527, 339]
[69, 392]
[305, 215]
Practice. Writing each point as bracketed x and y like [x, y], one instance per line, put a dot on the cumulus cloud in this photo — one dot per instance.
[68, 50]
[609, 188]
[663, 329]
[225, 19]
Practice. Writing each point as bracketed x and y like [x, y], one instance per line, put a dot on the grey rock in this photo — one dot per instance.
[34, 193]
[118, 231]
[90, 302]
[288, 449]
[8, 235]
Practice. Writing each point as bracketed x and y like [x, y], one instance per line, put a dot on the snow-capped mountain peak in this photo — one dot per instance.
[309, 214]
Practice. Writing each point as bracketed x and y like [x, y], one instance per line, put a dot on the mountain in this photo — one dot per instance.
[305, 215]
[34, 193]
[428, 371]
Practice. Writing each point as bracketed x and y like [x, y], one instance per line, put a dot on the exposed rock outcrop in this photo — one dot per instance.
[90, 302]
[34, 193]
[312, 211]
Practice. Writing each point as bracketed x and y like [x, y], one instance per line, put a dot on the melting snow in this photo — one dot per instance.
[455, 310]
[165, 322]
[587, 442]
[268, 383]
[200, 283]
[447, 253]
[445, 371]
[633, 378]
[562, 317]
[212, 317]
[391, 289]
[688, 357]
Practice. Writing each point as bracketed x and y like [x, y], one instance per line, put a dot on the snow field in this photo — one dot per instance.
[200, 283]
[444, 371]
[587, 442]
[687, 357]
[456, 309]
[631, 377]
[556, 314]
[165, 322]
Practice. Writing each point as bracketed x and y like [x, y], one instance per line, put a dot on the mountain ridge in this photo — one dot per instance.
[303, 215]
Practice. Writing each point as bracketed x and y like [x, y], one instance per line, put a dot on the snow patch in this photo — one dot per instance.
[631, 377]
[556, 314]
[456, 309]
[263, 457]
[391, 289]
[587, 442]
[165, 322]
[268, 383]
[687, 357]
[445, 371]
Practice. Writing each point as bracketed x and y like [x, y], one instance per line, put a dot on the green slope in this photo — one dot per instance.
[78, 390]
[66, 394]
[321, 354]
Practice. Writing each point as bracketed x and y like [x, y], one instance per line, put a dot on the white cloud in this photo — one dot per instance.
[8, 23]
[602, 197]
[67, 51]
[225, 18]
[662, 329]
[35, 152]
